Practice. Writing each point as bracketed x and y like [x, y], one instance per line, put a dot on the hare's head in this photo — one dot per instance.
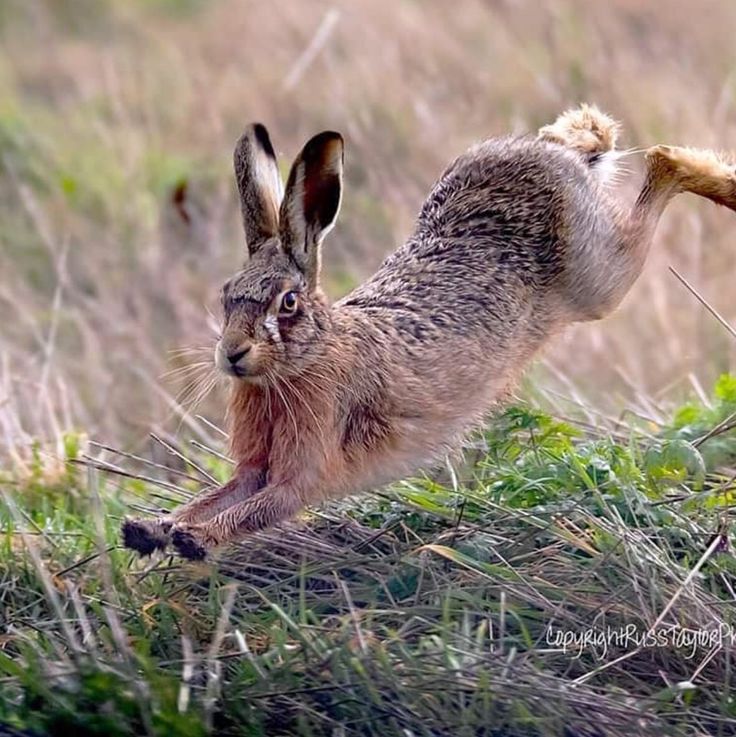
[274, 310]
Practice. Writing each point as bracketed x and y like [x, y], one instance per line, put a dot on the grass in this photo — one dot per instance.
[440, 606]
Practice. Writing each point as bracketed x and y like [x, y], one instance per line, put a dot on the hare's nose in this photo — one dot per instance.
[235, 357]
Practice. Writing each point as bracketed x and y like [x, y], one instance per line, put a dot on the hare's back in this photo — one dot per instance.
[505, 210]
[511, 199]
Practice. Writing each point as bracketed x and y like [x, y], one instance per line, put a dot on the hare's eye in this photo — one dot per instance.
[288, 303]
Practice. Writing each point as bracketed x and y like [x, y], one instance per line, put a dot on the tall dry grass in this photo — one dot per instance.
[117, 212]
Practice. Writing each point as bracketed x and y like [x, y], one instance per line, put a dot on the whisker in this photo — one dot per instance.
[189, 368]
[287, 407]
[183, 380]
[307, 380]
[204, 392]
[630, 151]
[190, 350]
[305, 403]
[190, 390]
[197, 395]
[313, 374]
[214, 323]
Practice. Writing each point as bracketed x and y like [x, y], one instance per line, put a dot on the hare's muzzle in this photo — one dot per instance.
[233, 359]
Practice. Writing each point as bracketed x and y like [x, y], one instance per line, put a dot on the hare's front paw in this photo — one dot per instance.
[192, 542]
[145, 536]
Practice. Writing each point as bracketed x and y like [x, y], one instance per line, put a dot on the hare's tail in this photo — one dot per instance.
[592, 133]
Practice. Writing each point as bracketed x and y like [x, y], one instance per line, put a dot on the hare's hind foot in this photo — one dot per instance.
[701, 172]
[146, 536]
[585, 129]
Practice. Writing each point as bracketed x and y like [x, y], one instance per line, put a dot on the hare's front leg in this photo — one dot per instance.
[148, 535]
[270, 505]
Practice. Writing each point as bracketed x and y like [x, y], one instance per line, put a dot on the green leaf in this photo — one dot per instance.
[688, 414]
[488, 570]
[725, 388]
[674, 462]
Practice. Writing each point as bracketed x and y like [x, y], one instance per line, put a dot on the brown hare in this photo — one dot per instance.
[517, 239]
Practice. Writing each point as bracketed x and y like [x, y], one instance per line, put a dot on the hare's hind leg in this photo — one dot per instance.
[701, 172]
[671, 170]
[621, 254]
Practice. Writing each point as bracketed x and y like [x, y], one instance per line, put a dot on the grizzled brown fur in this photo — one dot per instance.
[517, 239]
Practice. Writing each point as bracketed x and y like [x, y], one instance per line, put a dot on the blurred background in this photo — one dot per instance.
[118, 217]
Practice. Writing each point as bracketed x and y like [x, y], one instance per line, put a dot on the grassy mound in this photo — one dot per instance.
[564, 581]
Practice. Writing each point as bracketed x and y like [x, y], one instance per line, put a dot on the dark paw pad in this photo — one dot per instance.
[144, 536]
[188, 546]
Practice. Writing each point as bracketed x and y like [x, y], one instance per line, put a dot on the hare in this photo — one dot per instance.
[517, 239]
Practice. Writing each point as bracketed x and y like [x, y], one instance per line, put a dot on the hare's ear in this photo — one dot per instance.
[312, 201]
[259, 185]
